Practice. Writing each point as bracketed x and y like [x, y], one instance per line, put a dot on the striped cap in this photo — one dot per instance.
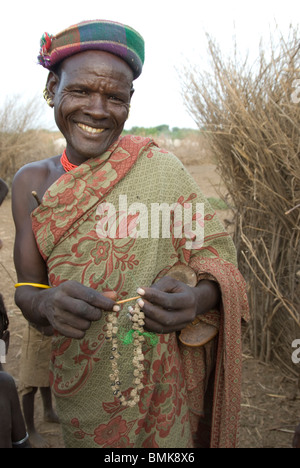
[108, 36]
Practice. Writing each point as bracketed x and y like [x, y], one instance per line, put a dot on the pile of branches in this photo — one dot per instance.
[251, 117]
[21, 140]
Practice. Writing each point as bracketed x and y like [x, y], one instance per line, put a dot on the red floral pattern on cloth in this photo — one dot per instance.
[65, 226]
[228, 374]
[73, 195]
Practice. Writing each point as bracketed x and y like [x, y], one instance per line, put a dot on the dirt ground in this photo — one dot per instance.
[271, 402]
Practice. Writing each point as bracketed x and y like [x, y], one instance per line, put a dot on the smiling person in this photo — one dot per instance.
[121, 379]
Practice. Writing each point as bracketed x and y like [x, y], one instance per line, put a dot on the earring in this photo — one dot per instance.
[47, 98]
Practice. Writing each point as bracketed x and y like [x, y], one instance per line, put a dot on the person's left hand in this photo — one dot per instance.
[169, 305]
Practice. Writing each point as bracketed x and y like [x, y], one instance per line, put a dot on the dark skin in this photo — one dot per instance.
[296, 440]
[12, 426]
[91, 96]
[3, 191]
[35, 439]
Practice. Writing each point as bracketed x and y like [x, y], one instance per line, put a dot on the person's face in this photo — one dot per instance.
[91, 98]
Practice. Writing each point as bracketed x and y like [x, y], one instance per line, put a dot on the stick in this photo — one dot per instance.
[288, 212]
[4, 267]
[35, 195]
[128, 300]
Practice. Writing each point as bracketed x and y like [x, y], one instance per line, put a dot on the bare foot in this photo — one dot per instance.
[37, 441]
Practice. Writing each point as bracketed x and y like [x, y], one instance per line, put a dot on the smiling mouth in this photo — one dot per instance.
[90, 130]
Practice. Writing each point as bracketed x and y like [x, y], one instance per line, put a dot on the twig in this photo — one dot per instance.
[35, 195]
[128, 300]
[254, 407]
[292, 209]
[279, 429]
[276, 396]
[7, 272]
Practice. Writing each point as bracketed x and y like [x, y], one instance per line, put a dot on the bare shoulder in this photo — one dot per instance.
[38, 170]
[36, 176]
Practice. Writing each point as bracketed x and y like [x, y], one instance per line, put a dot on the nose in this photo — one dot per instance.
[97, 107]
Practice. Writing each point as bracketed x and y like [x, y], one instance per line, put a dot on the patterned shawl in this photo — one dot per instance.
[174, 408]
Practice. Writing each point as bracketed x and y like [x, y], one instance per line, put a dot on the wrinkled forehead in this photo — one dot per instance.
[96, 64]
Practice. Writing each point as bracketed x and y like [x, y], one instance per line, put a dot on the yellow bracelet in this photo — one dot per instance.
[35, 285]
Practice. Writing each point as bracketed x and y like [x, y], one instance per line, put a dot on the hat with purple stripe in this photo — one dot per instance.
[108, 36]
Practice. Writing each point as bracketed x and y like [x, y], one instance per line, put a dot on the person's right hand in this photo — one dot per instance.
[71, 307]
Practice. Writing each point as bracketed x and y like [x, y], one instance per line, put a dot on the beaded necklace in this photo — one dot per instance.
[66, 164]
[138, 357]
[137, 336]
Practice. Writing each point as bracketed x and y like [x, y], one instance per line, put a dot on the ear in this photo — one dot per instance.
[52, 85]
[131, 91]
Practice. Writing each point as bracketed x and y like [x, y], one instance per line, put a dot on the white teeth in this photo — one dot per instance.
[88, 129]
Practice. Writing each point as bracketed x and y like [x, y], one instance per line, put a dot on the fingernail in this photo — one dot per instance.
[140, 303]
[116, 308]
[140, 291]
[130, 309]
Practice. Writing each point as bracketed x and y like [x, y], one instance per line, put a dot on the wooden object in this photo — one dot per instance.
[196, 333]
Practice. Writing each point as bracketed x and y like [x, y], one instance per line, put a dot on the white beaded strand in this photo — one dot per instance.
[138, 357]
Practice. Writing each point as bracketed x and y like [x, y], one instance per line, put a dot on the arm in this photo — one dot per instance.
[69, 308]
[170, 305]
[3, 191]
[12, 426]
[18, 432]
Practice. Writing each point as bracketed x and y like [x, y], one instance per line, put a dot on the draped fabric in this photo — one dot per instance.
[91, 227]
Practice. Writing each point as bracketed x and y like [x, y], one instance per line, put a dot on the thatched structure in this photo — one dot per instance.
[251, 117]
[21, 140]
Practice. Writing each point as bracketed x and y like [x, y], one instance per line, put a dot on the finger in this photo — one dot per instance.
[70, 325]
[70, 332]
[169, 284]
[94, 298]
[166, 318]
[79, 308]
[110, 294]
[69, 318]
[155, 327]
[164, 299]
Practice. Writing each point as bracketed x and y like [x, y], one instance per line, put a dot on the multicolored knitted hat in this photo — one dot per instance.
[108, 36]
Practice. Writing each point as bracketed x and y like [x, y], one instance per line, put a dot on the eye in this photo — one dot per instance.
[79, 92]
[115, 98]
